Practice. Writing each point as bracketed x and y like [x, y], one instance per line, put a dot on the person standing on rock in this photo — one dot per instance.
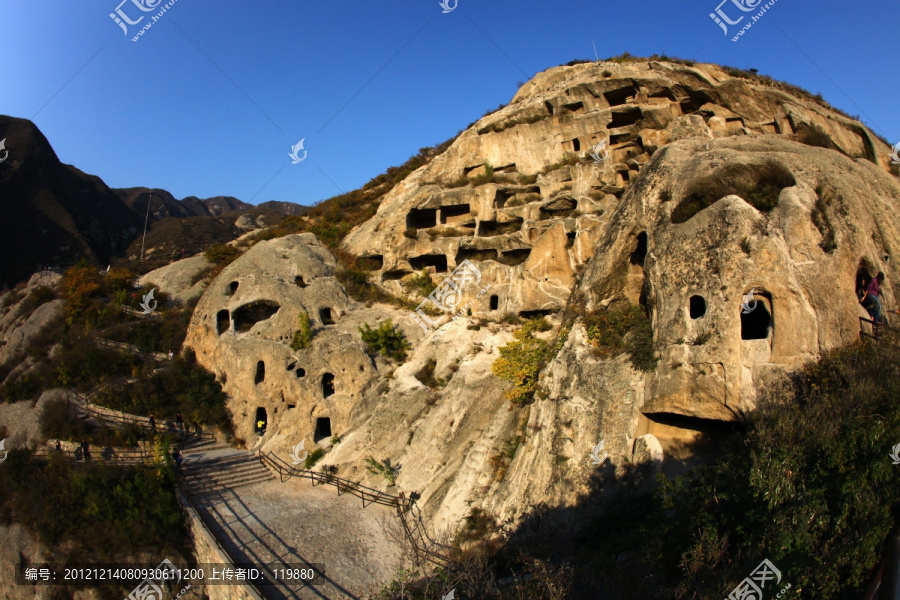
[152, 423]
[180, 422]
[85, 451]
[871, 299]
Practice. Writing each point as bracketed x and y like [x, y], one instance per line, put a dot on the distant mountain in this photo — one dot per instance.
[52, 212]
[288, 209]
[213, 207]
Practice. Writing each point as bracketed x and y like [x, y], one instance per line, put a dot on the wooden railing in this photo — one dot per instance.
[876, 328]
[410, 518]
[118, 419]
[107, 455]
[366, 494]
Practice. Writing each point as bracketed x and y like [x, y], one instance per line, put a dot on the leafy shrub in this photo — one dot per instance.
[486, 177]
[312, 458]
[623, 330]
[758, 185]
[521, 361]
[181, 386]
[383, 468]
[221, 254]
[303, 336]
[387, 340]
[421, 283]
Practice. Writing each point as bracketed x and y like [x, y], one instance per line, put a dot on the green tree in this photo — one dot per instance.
[303, 336]
[387, 340]
[521, 361]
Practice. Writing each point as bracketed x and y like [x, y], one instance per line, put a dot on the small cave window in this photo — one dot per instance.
[223, 321]
[259, 424]
[291, 366]
[260, 372]
[495, 302]
[421, 218]
[697, 307]
[438, 261]
[549, 107]
[576, 145]
[300, 372]
[640, 253]
[325, 316]
[756, 324]
[298, 280]
[323, 429]
[232, 288]
[290, 406]
[327, 385]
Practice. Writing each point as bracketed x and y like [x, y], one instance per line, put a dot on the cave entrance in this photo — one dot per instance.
[495, 302]
[323, 429]
[697, 307]
[250, 314]
[421, 218]
[757, 323]
[325, 316]
[327, 385]
[259, 424]
[438, 261]
[260, 373]
[640, 253]
[223, 321]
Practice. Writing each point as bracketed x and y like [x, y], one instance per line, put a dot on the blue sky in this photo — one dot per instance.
[210, 99]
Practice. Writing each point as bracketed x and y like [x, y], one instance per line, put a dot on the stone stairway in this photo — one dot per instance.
[210, 467]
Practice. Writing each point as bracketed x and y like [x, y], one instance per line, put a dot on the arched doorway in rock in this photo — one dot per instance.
[756, 318]
[327, 385]
[261, 421]
[323, 429]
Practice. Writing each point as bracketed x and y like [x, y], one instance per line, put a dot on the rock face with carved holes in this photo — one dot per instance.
[711, 187]
[242, 330]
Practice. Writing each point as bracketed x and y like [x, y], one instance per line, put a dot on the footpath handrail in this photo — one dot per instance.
[366, 494]
[107, 455]
[83, 405]
[414, 532]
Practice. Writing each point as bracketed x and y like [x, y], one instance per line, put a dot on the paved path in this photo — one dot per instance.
[295, 524]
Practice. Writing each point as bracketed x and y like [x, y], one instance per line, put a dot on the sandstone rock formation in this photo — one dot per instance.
[704, 193]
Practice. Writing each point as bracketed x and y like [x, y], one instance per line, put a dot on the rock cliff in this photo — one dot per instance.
[678, 188]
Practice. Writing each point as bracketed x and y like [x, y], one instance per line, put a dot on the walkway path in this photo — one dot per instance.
[291, 524]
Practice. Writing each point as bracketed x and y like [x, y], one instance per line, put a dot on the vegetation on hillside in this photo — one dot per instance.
[72, 512]
[303, 335]
[624, 329]
[386, 340]
[521, 361]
